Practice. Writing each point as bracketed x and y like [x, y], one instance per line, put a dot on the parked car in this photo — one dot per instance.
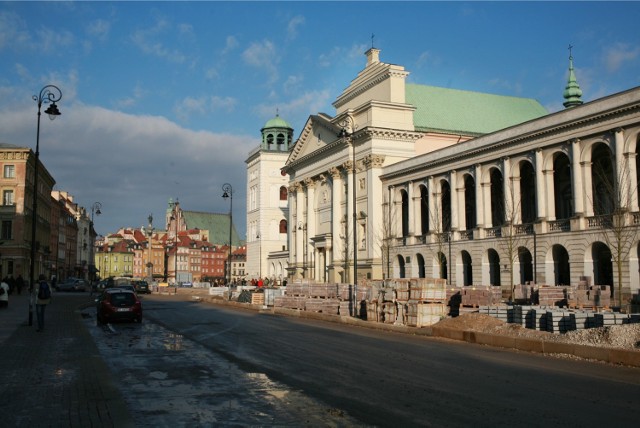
[142, 287]
[129, 287]
[118, 304]
[72, 284]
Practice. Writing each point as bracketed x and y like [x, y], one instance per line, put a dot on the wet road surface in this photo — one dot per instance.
[170, 381]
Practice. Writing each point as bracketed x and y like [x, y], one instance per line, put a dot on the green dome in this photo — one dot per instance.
[277, 122]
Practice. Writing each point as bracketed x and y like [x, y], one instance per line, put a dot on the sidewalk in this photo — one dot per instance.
[55, 378]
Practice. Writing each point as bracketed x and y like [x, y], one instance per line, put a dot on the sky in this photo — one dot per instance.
[164, 100]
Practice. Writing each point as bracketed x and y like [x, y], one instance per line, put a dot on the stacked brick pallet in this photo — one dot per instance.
[551, 296]
[480, 296]
[502, 312]
[320, 297]
[589, 297]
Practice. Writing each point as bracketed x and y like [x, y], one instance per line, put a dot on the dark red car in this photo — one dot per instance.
[118, 304]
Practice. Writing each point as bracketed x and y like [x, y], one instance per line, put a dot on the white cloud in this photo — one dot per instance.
[148, 41]
[616, 56]
[13, 33]
[99, 29]
[223, 103]
[230, 45]
[292, 26]
[132, 164]
[263, 55]
[303, 106]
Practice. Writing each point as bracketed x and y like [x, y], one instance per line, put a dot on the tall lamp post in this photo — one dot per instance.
[95, 210]
[48, 94]
[349, 122]
[228, 193]
[303, 227]
[150, 234]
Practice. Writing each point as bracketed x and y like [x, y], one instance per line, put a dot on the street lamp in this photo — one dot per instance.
[303, 227]
[150, 234]
[228, 193]
[350, 122]
[48, 94]
[95, 209]
[260, 257]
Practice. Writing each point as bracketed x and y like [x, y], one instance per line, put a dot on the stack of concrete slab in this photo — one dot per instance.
[551, 296]
[326, 306]
[425, 314]
[560, 321]
[497, 311]
[323, 290]
[290, 302]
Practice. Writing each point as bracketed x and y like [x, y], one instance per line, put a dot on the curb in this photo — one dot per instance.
[609, 355]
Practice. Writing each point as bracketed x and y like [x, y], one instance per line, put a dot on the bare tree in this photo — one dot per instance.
[513, 235]
[384, 237]
[440, 233]
[615, 193]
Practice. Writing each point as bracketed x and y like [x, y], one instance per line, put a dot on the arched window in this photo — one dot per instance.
[283, 193]
[283, 226]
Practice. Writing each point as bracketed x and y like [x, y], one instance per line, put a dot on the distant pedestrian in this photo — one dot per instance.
[44, 298]
[4, 294]
[19, 284]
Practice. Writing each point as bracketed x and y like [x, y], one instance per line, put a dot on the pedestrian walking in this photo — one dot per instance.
[19, 284]
[4, 294]
[44, 298]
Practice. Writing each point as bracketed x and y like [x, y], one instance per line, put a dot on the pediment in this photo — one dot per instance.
[318, 132]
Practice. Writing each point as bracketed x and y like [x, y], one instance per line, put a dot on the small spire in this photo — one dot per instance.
[572, 92]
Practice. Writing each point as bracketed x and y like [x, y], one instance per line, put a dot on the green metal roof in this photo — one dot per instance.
[468, 113]
[216, 224]
[277, 122]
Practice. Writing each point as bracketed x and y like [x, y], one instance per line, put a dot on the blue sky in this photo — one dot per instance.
[165, 99]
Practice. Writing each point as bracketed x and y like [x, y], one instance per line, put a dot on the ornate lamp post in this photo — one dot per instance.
[95, 210]
[48, 94]
[150, 234]
[348, 136]
[228, 193]
[303, 227]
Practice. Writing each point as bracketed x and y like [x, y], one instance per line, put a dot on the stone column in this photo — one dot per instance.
[337, 188]
[541, 190]
[550, 195]
[480, 217]
[453, 185]
[311, 224]
[576, 177]
[299, 220]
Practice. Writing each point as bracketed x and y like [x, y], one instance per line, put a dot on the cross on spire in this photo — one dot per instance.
[372, 36]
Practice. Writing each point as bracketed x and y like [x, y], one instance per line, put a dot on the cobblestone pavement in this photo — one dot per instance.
[77, 374]
[55, 378]
[172, 381]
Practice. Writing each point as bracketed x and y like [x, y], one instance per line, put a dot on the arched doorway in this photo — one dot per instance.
[563, 197]
[561, 271]
[424, 210]
[494, 267]
[526, 265]
[469, 202]
[445, 204]
[442, 263]
[497, 198]
[401, 267]
[405, 214]
[420, 262]
[604, 184]
[602, 265]
[527, 193]
[467, 273]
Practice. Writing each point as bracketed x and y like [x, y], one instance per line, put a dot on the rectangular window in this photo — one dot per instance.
[7, 229]
[9, 171]
[7, 197]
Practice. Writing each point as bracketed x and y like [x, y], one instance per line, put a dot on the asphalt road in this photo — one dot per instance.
[324, 374]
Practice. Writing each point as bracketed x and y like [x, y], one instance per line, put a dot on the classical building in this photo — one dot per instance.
[336, 198]
[553, 200]
[267, 202]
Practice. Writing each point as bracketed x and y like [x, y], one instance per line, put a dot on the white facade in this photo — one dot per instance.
[267, 207]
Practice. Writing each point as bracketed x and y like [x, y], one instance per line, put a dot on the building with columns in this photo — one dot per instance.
[338, 204]
[267, 202]
[552, 200]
